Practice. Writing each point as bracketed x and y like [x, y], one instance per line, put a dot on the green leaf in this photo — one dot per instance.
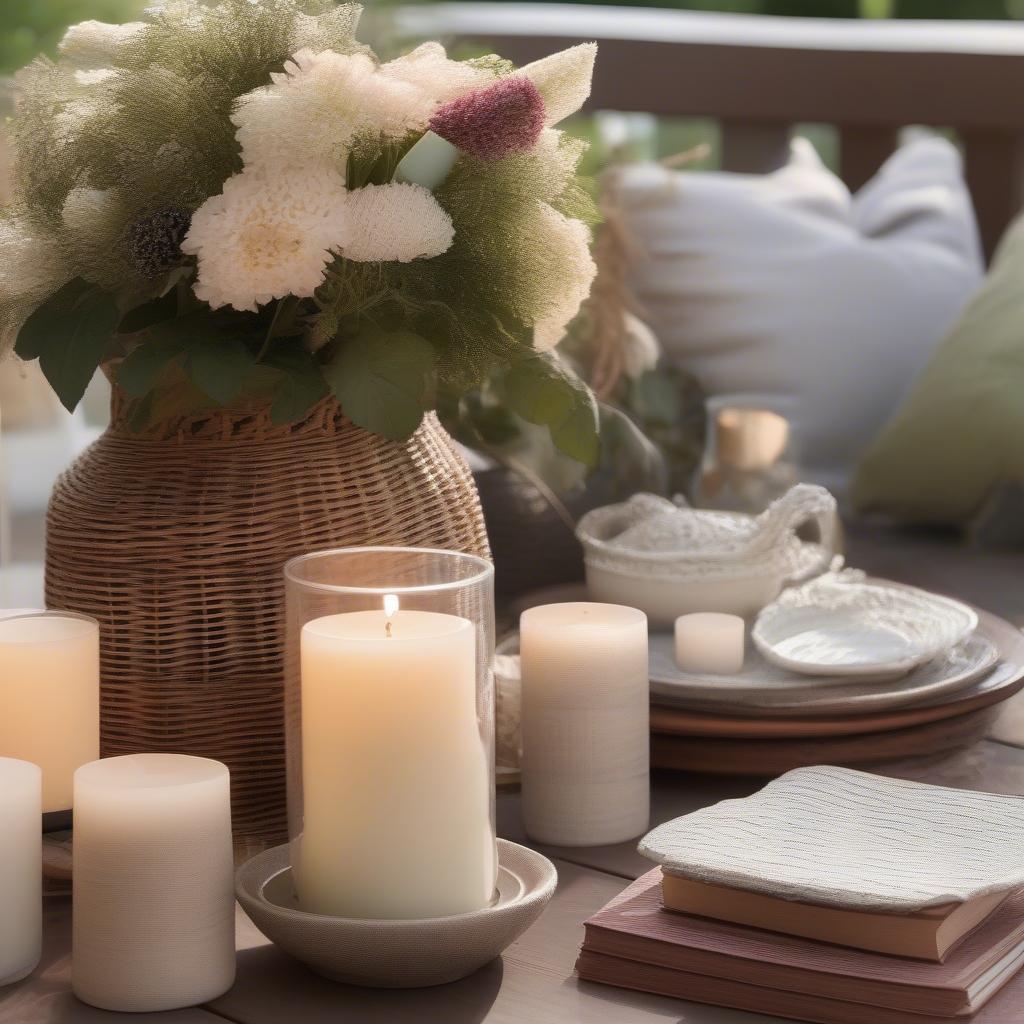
[143, 365]
[384, 381]
[300, 384]
[541, 390]
[219, 364]
[69, 334]
[578, 434]
[155, 311]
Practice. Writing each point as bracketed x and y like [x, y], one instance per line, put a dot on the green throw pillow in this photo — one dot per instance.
[960, 434]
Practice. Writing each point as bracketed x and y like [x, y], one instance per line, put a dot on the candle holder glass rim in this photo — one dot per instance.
[48, 613]
[484, 570]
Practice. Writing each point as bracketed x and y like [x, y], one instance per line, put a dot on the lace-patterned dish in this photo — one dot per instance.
[848, 839]
[651, 536]
[668, 560]
[841, 625]
[768, 689]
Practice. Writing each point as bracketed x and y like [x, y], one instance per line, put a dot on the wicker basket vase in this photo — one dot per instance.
[175, 540]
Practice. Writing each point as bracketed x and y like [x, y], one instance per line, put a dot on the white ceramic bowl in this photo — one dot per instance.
[696, 560]
[665, 600]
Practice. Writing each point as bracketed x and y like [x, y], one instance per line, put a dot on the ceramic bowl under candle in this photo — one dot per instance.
[396, 953]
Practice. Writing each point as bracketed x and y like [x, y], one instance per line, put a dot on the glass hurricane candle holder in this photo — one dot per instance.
[389, 699]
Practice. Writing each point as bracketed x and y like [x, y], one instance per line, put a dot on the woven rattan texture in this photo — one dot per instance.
[175, 541]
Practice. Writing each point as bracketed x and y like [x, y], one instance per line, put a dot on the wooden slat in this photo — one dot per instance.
[754, 147]
[862, 150]
[759, 73]
[775, 70]
[995, 176]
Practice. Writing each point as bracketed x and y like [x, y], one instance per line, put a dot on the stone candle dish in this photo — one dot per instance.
[399, 953]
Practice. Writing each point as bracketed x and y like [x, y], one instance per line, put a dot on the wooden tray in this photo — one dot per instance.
[1001, 684]
[734, 756]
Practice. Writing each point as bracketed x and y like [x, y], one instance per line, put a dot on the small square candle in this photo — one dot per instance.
[710, 642]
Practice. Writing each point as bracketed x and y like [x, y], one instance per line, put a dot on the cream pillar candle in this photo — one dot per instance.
[585, 719]
[396, 796]
[710, 642]
[50, 696]
[21, 869]
[154, 905]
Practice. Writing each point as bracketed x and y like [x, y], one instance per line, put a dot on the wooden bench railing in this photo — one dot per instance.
[759, 75]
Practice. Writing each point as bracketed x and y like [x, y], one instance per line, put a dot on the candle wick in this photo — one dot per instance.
[387, 629]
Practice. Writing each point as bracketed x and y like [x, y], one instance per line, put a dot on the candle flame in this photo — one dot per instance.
[390, 604]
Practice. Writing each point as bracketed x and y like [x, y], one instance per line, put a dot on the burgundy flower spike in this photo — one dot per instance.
[495, 122]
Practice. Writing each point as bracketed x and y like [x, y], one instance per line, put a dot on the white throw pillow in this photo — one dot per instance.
[785, 285]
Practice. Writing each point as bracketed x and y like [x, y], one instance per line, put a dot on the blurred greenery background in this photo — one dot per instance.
[28, 27]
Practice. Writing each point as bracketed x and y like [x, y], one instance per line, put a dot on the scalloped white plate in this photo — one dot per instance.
[762, 688]
[841, 625]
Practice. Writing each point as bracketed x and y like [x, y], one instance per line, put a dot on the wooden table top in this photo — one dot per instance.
[534, 981]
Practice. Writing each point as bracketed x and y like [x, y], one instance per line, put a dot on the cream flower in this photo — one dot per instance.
[395, 223]
[563, 79]
[640, 348]
[315, 108]
[96, 42]
[266, 236]
[565, 244]
[437, 79]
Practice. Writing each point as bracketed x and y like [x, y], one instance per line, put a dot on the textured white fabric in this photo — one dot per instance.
[784, 285]
[845, 838]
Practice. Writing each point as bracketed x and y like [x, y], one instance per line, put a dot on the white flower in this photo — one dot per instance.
[267, 235]
[640, 348]
[96, 42]
[435, 77]
[314, 109]
[565, 244]
[32, 267]
[395, 223]
[563, 79]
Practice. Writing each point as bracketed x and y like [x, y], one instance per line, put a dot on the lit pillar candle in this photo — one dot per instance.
[396, 801]
[49, 697]
[154, 906]
[585, 719]
[710, 642]
[21, 865]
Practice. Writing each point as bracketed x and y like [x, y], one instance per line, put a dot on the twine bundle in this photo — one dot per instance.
[175, 541]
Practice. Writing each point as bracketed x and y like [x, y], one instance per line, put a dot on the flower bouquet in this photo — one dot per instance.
[286, 255]
[240, 203]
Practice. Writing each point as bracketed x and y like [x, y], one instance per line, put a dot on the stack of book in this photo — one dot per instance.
[909, 912]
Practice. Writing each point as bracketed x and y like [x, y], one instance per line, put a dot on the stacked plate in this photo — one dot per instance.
[843, 669]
